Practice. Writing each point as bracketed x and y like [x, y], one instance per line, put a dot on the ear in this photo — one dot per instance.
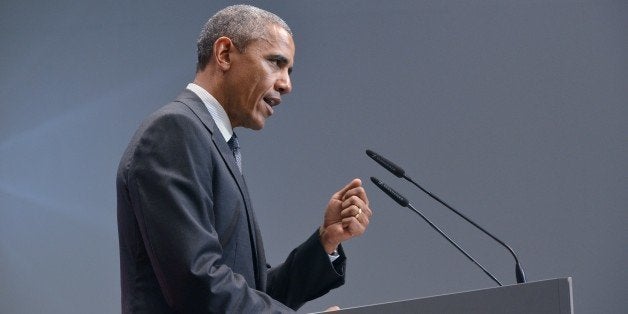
[223, 48]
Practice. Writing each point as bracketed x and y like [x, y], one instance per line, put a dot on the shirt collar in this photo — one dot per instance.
[215, 109]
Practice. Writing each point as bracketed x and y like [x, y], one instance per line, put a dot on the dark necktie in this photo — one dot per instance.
[235, 149]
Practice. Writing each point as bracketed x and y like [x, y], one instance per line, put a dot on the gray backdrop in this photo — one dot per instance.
[513, 111]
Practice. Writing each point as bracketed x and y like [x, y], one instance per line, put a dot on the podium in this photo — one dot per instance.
[540, 297]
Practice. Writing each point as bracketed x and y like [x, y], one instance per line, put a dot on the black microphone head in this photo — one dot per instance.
[400, 199]
[389, 165]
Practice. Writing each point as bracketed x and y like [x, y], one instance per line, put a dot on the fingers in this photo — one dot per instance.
[355, 205]
[355, 218]
[353, 226]
[363, 218]
[358, 203]
[353, 184]
[358, 192]
[351, 211]
[361, 215]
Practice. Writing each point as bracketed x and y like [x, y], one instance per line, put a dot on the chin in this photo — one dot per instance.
[257, 126]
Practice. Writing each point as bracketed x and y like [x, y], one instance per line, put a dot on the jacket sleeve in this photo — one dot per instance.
[166, 176]
[306, 274]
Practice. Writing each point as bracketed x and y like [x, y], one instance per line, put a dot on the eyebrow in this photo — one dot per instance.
[282, 59]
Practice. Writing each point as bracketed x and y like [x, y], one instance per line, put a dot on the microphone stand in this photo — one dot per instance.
[518, 269]
[401, 200]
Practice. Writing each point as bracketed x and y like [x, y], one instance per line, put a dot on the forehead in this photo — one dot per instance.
[276, 41]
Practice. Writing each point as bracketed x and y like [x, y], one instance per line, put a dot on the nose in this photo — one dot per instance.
[283, 84]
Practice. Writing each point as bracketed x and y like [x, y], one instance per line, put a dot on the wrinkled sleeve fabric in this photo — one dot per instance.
[306, 274]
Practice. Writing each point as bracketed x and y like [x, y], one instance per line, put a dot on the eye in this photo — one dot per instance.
[278, 60]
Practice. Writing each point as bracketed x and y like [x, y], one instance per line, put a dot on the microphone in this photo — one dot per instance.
[401, 200]
[399, 172]
[389, 165]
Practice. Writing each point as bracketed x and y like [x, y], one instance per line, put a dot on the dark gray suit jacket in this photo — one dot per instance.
[189, 241]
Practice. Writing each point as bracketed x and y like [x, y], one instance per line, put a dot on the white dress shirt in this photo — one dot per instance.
[215, 109]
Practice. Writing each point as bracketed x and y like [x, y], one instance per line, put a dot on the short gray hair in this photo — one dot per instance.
[240, 23]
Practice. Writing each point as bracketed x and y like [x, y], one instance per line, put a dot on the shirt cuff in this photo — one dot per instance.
[333, 256]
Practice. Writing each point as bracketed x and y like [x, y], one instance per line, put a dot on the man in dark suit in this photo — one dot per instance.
[189, 240]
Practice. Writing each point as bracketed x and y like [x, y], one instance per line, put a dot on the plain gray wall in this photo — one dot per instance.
[513, 111]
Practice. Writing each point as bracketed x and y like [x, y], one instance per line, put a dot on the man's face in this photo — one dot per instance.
[258, 77]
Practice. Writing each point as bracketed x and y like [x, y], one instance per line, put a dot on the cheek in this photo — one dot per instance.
[263, 86]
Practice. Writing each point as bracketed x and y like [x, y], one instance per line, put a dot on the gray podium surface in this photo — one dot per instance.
[540, 297]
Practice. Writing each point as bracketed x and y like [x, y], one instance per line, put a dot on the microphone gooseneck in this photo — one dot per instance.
[401, 200]
[399, 172]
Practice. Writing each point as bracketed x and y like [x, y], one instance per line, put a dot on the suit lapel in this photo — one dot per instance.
[192, 101]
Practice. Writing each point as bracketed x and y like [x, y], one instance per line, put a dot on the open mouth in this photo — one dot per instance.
[271, 101]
